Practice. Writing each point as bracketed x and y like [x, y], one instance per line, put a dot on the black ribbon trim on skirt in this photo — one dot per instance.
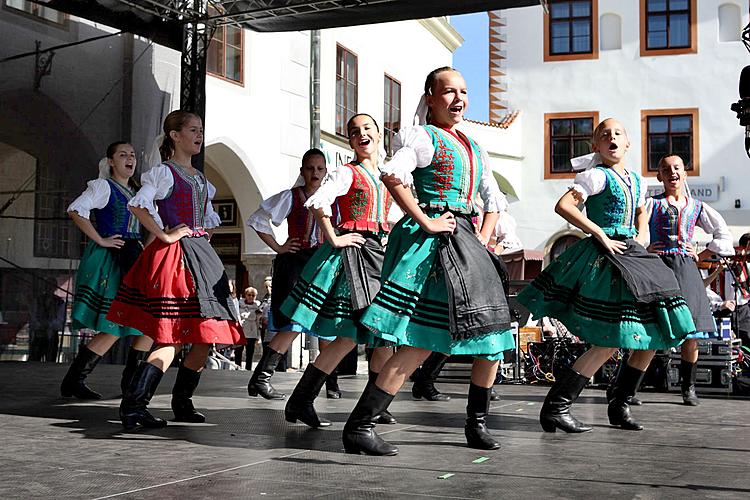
[287, 268]
[363, 266]
[693, 290]
[599, 310]
[476, 280]
[210, 278]
[645, 274]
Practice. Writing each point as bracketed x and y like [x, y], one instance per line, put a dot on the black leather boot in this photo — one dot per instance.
[424, 378]
[260, 382]
[687, 374]
[632, 401]
[477, 409]
[74, 383]
[384, 417]
[359, 431]
[555, 412]
[182, 405]
[133, 408]
[300, 405]
[626, 385]
[134, 359]
[332, 385]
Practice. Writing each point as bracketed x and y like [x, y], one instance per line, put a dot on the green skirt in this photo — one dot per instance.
[97, 280]
[587, 293]
[321, 300]
[412, 307]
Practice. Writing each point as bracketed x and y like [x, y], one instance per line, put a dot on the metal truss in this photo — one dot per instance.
[232, 11]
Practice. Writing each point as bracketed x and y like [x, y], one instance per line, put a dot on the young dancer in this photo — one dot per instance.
[674, 215]
[441, 289]
[344, 275]
[305, 237]
[177, 291]
[115, 243]
[607, 289]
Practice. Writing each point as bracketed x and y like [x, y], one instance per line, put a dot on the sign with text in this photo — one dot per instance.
[703, 192]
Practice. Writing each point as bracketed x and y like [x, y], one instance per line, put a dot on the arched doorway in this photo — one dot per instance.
[245, 256]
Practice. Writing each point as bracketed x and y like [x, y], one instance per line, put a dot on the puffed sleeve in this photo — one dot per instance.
[335, 184]
[714, 224]
[156, 184]
[589, 182]
[95, 196]
[212, 218]
[413, 149]
[272, 210]
[493, 199]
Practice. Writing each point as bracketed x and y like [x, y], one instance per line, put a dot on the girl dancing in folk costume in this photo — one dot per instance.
[343, 276]
[177, 291]
[305, 237]
[607, 289]
[115, 243]
[674, 215]
[441, 289]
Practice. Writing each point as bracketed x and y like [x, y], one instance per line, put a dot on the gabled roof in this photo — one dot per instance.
[162, 20]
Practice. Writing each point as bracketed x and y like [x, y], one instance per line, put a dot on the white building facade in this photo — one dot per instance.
[667, 70]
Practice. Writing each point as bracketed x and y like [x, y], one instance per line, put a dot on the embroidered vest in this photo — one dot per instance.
[186, 201]
[452, 179]
[614, 208]
[365, 206]
[673, 226]
[115, 218]
[301, 222]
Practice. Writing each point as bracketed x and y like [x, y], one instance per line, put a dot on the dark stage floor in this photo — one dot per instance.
[57, 448]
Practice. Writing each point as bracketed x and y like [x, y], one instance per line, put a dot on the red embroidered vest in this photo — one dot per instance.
[365, 206]
[301, 222]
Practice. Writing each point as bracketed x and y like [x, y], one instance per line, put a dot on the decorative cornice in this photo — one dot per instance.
[441, 28]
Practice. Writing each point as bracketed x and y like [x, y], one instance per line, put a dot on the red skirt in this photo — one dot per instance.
[178, 294]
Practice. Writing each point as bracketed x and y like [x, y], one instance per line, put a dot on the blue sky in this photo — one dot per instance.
[472, 60]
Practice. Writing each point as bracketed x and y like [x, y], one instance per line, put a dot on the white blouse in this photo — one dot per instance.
[95, 196]
[413, 149]
[712, 223]
[273, 210]
[157, 185]
[335, 184]
[593, 181]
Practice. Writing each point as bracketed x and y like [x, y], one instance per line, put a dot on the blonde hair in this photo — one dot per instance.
[600, 127]
[250, 290]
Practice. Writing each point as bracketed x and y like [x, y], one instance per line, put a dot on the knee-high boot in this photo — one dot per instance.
[555, 412]
[300, 404]
[133, 408]
[626, 385]
[74, 383]
[260, 382]
[384, 417]
[134, 359]
[687, 374]
[359, 432]
[632, 401]
[182, 405]
[477, 409]
[424, 378]
[332, 385]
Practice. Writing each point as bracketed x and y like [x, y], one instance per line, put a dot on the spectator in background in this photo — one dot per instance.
[249, 317]
[46, 322]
